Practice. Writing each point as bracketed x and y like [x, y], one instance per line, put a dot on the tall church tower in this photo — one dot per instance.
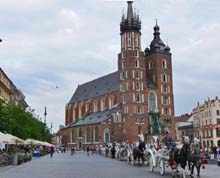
[132, 75]
[159, 71]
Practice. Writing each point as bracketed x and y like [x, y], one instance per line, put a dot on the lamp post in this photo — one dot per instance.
[51, 126]
[45, 123]
[45, 115]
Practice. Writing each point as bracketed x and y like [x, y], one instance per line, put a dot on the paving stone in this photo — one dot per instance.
[83, 166]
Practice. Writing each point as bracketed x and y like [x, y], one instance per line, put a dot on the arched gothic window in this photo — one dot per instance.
[110, 102]
[102, 104]
[80, 110]
[72, 136]
[96, 138]
[152, 98]
[95, 106]
[106, 135]
[87, 106]
[80, 132]
[88, 134]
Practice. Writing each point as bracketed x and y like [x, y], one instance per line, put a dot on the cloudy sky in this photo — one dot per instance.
[49, 43]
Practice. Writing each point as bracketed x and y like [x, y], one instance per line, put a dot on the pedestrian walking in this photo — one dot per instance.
[51, 151]
[87, 149]
[73, 151]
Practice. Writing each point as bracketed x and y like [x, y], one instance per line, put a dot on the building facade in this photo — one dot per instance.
[184, 127]
[206, 122]
[5, 86]
[9, 92]
[121, 105]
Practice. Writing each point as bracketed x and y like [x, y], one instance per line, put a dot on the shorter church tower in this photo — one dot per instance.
[159, 70]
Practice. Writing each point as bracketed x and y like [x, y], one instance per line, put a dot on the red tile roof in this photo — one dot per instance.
[182, 118]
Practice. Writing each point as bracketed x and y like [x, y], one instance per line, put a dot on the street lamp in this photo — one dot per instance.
[45, 124]
[51, 126]
[45, 115]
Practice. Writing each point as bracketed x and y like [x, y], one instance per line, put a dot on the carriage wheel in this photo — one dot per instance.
[151, 164]
[162, 167]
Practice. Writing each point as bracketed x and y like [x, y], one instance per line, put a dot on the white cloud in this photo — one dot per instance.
[70, 19]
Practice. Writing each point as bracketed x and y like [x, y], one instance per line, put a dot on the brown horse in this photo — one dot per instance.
[138, 153]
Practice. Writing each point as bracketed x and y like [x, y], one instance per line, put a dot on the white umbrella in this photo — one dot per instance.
[15, 139]
[3, 137]
[31, 142]
[9, 139]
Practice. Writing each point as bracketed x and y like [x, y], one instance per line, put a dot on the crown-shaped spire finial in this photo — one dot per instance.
[132, 21]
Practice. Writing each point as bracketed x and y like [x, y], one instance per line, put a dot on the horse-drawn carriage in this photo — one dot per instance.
[157, 159]
[182, 157]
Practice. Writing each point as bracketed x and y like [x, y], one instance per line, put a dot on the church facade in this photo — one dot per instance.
[137, 98]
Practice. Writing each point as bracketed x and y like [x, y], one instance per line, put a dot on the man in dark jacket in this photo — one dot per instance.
[167, 140]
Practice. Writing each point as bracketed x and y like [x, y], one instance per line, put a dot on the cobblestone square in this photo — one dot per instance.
[83, 166]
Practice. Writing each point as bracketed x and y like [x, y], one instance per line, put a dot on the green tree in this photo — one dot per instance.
[17, 121]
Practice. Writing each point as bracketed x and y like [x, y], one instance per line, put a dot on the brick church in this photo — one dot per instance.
[137, 98]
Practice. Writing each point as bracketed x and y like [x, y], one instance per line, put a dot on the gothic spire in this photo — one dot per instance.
[130, 10]
[132, 22]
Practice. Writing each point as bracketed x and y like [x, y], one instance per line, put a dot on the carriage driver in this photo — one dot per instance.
[167, 140]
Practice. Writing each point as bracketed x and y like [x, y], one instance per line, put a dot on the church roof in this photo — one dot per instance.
[93, 118]
[97, 87]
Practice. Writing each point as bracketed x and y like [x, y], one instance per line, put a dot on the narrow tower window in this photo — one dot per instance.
[136, 41]
[164, 64]
[138, 98]
[136, 53]
[136, 63]
[138, 86]
[164, 78]
[122, 42]
[137, 74]
[129, 40]
[150, 65]
[123, 64]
